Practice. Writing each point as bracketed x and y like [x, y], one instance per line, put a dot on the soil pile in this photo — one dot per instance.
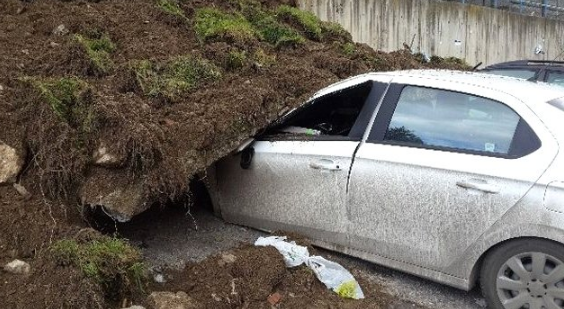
[120, 102]
[255, 277]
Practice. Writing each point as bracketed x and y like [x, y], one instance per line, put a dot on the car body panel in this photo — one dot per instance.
[281, 190]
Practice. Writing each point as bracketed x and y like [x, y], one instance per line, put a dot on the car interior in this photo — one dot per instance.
[332, 115]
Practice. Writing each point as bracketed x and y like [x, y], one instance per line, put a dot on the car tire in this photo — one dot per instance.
[525, 273]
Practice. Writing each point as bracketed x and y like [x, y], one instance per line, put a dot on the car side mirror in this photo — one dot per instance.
[247, 157]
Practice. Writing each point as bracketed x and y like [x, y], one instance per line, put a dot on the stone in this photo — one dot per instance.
[104, 157]
[169, 300]
[114, 191]
[159, 278]
[274, 299]
[1, 88]
[60, 30]
[17, 267]
[135, 307]
[22, 190]
[10, 164]
[227, 258]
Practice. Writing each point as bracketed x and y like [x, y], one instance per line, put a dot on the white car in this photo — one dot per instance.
[457, 177]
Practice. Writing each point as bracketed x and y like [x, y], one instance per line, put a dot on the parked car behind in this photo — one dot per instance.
[551, 72]
[451, 176]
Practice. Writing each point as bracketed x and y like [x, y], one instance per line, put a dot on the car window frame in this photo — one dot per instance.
[383, 119]
[360, 126]
[538, 73]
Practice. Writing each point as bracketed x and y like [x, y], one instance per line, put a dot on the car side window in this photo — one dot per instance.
[556, 78]
[443, 119]
[340, 115]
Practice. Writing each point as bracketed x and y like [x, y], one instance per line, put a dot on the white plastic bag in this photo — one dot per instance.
[332, 274]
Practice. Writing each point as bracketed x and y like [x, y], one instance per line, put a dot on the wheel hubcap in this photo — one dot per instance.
[531, 280]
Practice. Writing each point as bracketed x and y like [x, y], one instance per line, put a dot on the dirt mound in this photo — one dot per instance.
[120, 102]
[256, 277]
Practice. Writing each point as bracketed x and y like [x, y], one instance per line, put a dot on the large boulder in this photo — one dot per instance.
[114, 191]
[11, 163]
[169, 300]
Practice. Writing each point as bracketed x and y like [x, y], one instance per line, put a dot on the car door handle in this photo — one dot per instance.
[478, 184]
[325, 164]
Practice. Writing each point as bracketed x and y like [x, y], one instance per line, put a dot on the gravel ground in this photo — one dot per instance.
[171, 237]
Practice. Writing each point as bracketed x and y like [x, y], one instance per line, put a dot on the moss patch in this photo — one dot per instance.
[271, 30]
[175, 77]
[173, 8]
[236, 59]
[312, 26]
[213, 24]
[69, 98]
[98, 51]
[110, 262]
[349, 49]
[264, 59]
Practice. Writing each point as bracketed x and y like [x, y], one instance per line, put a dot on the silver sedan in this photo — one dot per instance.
[453, 176]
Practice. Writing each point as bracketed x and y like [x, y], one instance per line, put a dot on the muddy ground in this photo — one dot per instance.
[155, 86]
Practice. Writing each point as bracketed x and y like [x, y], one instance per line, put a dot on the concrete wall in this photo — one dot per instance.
[474, 33]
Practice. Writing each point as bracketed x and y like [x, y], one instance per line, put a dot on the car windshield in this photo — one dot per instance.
[558, 103]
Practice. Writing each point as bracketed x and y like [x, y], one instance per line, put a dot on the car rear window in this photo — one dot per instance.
[517, 73]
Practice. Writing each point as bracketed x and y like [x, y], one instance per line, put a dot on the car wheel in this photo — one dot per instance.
[524, 274]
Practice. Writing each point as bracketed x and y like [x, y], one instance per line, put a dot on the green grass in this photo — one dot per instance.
[98, 51]
[68, 98]
[172, 7]
[236, 59]
[175, 77]
[263, 59]
[312, 26]
[111, 262]
[213, 24]
[349, 49]
[270, 29]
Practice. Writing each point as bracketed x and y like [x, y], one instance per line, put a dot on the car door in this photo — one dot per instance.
[439, 168]
[298, 182]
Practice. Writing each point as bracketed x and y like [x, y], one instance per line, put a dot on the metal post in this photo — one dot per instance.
[544, 7]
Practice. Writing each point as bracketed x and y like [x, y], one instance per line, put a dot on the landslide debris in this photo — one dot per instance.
[118, 103]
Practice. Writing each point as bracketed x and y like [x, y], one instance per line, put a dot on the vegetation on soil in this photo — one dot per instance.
[214, 24]
[98, 50]
[111, 262]
[311, 25]
[69, 98]
[349, 49]
[173, 78]
[173, 8]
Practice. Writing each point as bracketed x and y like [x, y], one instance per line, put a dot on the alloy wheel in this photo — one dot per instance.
[531, 280]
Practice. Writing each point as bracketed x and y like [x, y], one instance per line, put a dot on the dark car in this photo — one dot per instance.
[551, 72]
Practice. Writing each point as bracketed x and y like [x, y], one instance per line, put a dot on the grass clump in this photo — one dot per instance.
[270, 29]
[349, 49]
[171, 7]
[175, 77]
[111, 262]
[98, 51]
[213, 24]
[69, 98]
[312, 26]
[236, 59]
[264, 59]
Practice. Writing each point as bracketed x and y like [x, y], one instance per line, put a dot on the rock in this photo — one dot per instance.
[61, 30]
[22, 190]
[54, 44]
[169, 300]
[10, 164]
[135, 307]
[274, 299]
[17, 267]
[159, 278]
[104, 157]
[1, 88]
[227, 258]
[119, 196]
